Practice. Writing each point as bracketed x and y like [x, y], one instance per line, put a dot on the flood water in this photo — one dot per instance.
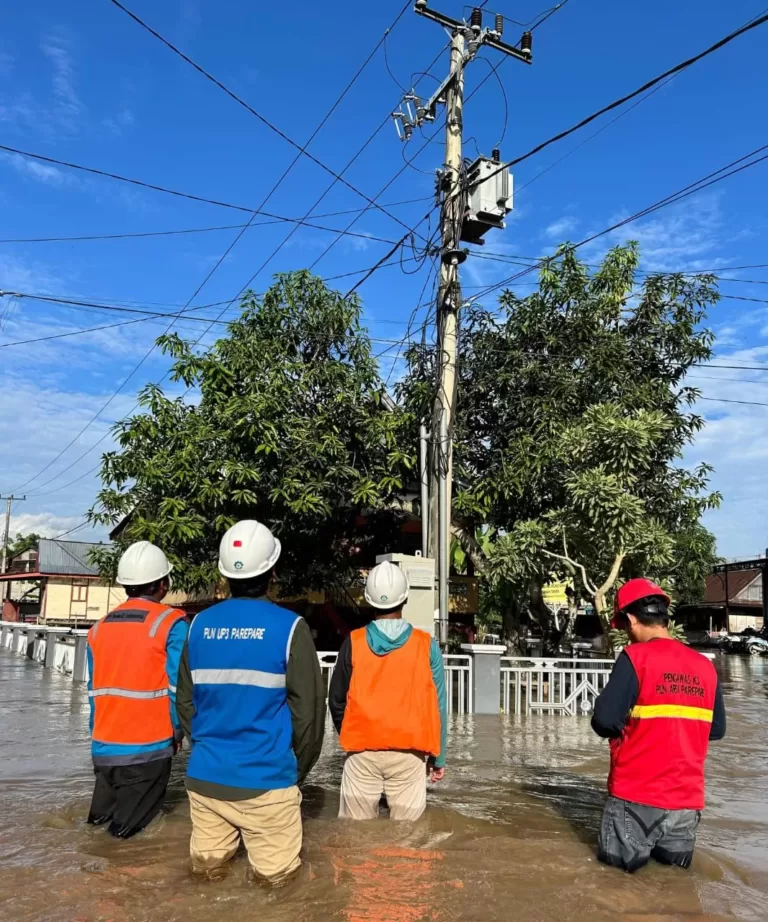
[509, 834]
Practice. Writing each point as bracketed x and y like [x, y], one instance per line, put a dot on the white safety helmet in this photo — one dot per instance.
[141, 564]
[248, 549]
[386, 586]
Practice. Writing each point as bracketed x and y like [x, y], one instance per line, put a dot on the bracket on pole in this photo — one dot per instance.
[414, 111]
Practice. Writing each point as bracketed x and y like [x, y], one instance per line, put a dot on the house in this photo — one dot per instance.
[738, 608]
[56, 584]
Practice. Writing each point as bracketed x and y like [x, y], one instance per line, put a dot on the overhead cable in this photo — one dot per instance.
[683, 65]
[265, 121]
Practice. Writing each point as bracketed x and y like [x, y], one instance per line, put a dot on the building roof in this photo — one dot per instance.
[738, 580]
[68, 558]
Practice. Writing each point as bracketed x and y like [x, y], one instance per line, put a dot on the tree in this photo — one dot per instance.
[293, 427]
[22, 543]
[573, 412]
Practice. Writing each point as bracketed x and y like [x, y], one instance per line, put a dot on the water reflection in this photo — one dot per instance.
[510, 832]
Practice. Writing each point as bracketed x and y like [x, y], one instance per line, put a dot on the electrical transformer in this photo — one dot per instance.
[489, 200]
[419, 610]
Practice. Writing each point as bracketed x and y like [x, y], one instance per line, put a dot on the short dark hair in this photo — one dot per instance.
[383, 612]
[650, 610]
[134, 592]
[253, 587]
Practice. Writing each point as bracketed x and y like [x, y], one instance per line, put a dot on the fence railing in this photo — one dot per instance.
[458, 683]
[458, 679]
[554, 686]
[60, 649]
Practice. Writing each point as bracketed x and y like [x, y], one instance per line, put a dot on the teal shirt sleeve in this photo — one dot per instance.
[438, 677]
[89, 655]
[174, 645]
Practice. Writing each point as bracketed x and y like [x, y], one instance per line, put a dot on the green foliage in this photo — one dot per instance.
[292, 427]
[22, 543]
[572, 419]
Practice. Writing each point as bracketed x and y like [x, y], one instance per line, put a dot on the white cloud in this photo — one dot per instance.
[57, 47]
[120, 122]
[561, 229]
[682, 237]
[43, 172]
[63, 111]
[49, 526]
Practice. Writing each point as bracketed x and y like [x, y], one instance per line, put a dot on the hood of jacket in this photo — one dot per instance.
[387, 635]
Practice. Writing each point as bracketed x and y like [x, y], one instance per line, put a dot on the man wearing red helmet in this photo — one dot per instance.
[660, 708]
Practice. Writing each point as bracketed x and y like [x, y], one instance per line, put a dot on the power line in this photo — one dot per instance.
[683, 65]
[265, 121]
[746, 403]
[301, 150]
[195, 230]
[703, 183]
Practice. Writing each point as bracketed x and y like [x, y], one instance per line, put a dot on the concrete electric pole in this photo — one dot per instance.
[9, 500]
[473, 199]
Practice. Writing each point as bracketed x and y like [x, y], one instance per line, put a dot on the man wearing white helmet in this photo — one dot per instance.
[388, 703]
[252, 702]
[133, 664]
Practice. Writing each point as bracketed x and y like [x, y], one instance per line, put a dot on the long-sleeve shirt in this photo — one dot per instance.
[306, 700]
[619, 696]
[140, 752]
[342, 676]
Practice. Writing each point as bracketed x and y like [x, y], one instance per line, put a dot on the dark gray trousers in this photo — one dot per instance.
[632, 834]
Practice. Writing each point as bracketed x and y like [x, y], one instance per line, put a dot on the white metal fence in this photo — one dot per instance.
[61, 649]
[555, 686]
[458, 680]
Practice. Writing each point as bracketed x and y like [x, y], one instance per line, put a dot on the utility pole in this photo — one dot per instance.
[470, 206]
[9, 500]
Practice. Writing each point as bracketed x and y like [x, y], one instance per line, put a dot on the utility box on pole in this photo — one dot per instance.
[419, 610]
[489, 200]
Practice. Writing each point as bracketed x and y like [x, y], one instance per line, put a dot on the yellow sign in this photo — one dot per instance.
[554, 594]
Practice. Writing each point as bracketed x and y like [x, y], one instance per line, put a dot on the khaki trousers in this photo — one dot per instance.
[270, 826]
[400, 776]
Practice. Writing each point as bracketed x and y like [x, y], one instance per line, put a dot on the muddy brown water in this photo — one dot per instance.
[509, 835]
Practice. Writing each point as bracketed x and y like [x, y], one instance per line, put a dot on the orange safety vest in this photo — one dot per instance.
[392, 699]
[129, 682]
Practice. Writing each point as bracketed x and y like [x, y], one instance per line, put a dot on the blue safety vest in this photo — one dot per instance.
[241, 728]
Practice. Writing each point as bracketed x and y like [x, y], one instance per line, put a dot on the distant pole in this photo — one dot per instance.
[765, 589]
[9, 500]
[7, 535]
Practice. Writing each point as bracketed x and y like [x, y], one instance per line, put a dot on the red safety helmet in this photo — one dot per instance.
[633, 591]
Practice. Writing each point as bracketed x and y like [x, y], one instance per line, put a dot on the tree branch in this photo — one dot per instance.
[588, 585]
[614, 573]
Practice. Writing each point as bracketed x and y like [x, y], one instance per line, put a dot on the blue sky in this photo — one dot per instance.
[82, 82]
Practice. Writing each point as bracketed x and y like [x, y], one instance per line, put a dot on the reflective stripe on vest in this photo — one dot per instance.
[659, 759]
[238, 677]
[644, 711]
[128, 693]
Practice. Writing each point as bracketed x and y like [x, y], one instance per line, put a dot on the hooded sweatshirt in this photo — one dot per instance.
[383, 637]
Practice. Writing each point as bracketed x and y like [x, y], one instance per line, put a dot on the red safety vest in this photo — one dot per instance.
[129, 682]
[659, 759]
[392, 699]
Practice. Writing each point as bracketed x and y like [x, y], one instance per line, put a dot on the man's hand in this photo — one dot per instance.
[436, 774]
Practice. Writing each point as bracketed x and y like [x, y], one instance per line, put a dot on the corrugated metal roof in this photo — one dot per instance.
[70, 557]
